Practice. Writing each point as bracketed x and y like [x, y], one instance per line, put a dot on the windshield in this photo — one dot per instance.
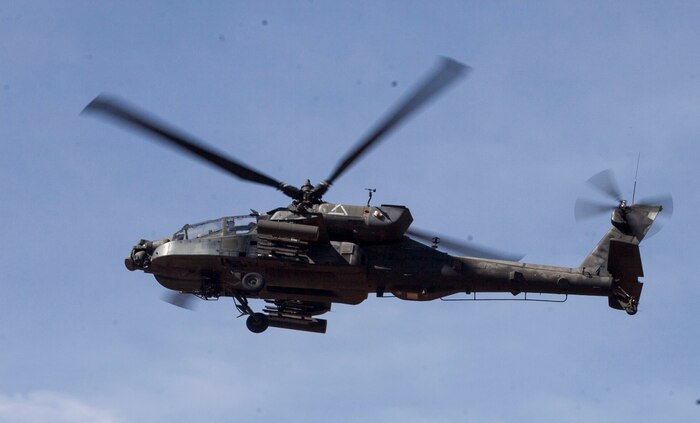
[198, 230]
[240, 224]
[233, 225]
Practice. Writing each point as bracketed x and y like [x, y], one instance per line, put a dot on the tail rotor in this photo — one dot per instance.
[631, 219]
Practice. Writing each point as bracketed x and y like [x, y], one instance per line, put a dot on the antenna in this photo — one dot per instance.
[370, 190]
[634, 190]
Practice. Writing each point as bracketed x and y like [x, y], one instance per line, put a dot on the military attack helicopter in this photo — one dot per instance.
[302, 258]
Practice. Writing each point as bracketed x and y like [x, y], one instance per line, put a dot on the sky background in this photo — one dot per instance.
[558, 92]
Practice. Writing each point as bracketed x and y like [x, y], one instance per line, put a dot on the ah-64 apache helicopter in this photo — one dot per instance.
[302, 258]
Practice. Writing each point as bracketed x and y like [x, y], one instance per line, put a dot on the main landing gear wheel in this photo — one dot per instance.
[253, 282]
[257, 322]
[631, 307]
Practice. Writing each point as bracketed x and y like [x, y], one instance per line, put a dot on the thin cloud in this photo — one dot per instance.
[44, 406]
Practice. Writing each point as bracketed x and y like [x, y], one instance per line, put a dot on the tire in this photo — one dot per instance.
[252, 282]
[257, 323]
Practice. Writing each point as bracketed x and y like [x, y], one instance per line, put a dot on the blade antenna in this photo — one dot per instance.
[634, 190]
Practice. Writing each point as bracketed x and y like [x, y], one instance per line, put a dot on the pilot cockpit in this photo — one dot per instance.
[232, 225]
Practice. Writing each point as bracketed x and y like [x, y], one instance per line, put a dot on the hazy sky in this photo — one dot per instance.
[558, 92]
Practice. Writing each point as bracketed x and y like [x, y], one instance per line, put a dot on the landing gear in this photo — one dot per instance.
[252, 282]
[622, 300]
[257, 322]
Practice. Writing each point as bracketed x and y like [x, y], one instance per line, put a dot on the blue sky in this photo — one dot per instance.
[558, 92]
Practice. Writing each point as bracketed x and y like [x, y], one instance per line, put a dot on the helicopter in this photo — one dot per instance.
[302, 258]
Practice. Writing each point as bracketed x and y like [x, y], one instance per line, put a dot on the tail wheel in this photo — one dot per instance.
[252, 282]
[257, 322]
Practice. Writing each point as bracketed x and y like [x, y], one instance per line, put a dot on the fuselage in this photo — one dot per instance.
[210, 259]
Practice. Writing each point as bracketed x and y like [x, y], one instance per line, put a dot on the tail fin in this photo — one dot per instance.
[617, 254]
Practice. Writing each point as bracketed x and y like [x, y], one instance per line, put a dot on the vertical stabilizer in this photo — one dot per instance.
[630, 225]
[617, 254]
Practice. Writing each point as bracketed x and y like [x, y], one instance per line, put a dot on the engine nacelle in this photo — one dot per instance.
[366, 224]
[283, 229]
[341, 222]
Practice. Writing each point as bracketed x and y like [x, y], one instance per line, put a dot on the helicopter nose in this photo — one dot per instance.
[140, 257]
[129, 263]
[136, 260]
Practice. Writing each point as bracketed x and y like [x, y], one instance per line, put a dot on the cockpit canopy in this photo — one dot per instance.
[231, 225]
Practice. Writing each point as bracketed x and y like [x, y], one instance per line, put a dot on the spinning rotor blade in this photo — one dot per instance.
[122, 113]
[605, 183]
[666, 203]
[448, 71]
[179, 299]
[635, 214]
[637, 222]
[663, 200]
[585, 209]
[463, 248]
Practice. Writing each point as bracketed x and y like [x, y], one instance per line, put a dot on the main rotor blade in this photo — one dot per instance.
[119, 111]
[585, 209]
[605, 183]
[463, 248]
[447, 72]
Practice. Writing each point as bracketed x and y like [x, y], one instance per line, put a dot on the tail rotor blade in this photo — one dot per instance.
[638, 223]
[666, 203]
[586, 209]
[663, 200]
[606, 183]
